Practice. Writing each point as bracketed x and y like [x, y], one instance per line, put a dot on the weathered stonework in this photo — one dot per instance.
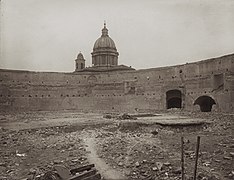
[204, 85]
[120, 90]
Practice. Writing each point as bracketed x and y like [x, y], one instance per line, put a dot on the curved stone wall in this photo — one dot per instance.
[125, 91]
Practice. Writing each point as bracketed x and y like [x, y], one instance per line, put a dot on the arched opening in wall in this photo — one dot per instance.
[205, 103]
[174, 99]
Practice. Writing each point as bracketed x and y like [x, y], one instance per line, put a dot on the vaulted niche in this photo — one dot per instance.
[205, 103]
[174, 99]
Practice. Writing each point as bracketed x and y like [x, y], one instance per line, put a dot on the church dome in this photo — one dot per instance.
[104, 41]
[104, 50]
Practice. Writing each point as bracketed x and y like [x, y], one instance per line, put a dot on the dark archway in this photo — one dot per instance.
[174, 99]
[174, 103]
[205, 103]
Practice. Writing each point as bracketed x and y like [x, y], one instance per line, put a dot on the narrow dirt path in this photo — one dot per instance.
[105, 170]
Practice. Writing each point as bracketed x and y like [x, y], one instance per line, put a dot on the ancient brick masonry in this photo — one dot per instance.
[206, 85]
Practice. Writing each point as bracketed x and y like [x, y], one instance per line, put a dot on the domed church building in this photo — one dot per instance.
[104, 50]
[104, 55]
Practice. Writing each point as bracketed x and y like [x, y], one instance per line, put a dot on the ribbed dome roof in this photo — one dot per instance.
[104, 41]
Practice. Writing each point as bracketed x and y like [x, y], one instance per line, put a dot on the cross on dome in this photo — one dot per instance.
[104, 30]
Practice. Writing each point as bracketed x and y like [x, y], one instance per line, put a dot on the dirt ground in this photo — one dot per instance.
[148, 147]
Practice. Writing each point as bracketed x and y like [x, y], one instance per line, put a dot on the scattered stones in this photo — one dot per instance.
[206, 164]
[231, 145]
[176, 171]
[132, 150]
[107, 116]
[159, 165]
[56, 161]
[20, 154]
[227, 158]
[120, 164]
[154, 132]
[137, 164]
[167, 164]
[231, 174]
[34, 151]
[126, 116]
[32, 171]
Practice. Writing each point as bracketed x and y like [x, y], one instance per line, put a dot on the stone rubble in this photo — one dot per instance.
[135, 152]
[42, 149]
[149, 152]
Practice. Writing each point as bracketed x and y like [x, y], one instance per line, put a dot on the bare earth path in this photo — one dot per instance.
[106, 171]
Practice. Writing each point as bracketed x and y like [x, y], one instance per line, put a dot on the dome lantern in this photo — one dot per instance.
[105, 30]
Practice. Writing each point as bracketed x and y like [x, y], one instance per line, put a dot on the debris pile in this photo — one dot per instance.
[119, 117]
[153, 152]
[129, 116]
[59, 172]
[32, 153]
[134, 148]
[139, 156]
[126, 116]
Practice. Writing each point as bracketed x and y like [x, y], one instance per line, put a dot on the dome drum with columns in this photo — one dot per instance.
[104, 50]
[104, 55]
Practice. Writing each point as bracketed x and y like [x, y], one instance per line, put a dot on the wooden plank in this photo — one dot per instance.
[83, 175]
[83, 168]
[196, 157]
[182, 158]
[63, 172]
[93, 177]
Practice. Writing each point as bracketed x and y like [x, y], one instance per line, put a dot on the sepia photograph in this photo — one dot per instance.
[116, 90]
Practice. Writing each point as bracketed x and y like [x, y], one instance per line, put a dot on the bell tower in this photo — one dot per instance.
[79, 62]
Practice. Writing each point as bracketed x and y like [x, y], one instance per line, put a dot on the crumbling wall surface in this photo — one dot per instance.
[121, 90]
[213, 78]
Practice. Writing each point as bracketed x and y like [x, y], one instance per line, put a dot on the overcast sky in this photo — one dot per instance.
[47, 35]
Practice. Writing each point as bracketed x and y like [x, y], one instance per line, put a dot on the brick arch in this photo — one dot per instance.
[205, 103]
[174, 99]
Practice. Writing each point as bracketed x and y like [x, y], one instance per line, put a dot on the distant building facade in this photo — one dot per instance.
[104, 55]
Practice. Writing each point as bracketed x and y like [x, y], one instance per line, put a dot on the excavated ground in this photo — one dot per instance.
[148, 147]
